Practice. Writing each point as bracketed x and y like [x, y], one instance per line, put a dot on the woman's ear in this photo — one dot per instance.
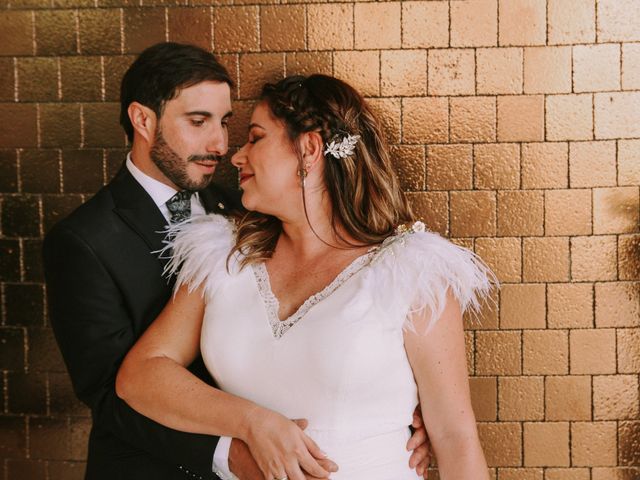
[144, 121]
[312, 148]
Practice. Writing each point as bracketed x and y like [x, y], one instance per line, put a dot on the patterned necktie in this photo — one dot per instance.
[180, 206]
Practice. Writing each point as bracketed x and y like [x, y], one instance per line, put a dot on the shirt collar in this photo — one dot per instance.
[158, 191]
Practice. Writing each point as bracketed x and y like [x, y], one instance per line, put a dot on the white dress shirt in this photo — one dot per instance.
[160, 194]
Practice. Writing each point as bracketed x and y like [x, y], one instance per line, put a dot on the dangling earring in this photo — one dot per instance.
[303, 174]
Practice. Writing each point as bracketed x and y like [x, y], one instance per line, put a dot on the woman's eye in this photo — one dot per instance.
[254, 139]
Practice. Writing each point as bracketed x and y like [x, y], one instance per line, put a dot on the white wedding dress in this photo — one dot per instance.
[339, 361]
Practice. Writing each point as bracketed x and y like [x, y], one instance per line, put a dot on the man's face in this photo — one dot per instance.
[192, 136]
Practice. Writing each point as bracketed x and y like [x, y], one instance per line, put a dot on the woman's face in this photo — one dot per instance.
[268, 166]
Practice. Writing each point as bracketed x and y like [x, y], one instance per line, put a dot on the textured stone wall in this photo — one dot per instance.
[515, 125]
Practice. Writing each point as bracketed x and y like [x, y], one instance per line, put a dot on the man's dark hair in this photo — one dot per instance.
[161, 71]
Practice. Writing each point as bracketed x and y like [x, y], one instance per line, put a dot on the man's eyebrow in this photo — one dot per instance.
[200, 113]
[228, 114]
[252, 125]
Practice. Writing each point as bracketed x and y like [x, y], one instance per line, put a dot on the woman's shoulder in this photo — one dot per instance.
[420, 267]
[197, 250]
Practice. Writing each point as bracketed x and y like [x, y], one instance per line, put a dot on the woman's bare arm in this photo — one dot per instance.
[438, 361]
[154, 380]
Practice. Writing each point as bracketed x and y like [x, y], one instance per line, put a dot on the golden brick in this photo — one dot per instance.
[388, 111]
[449, 167]
[425, 24]
[7, 80]
[521, 398]
[628, 258]
[592, 164]
[547, 70]
[425, 120]
[615, 473]
[56, 32]
[571, 22]
[403, 72]
[81, 79]
[282, 27]
[618, 20]
[377, 25]
[593, 258]
[545, 259]
[60, 125]
[499, 70]
[451, 72]
[521, 118]
[143, 27]
[630, 66]
[330, 26]
[37, 79]
[498, 353]
[410, 165]
[629, 162]
[236, 29]
[470, 351]
[617, 115]
[231, 62]
[593, 444]
[258, 68]
[567, 212]
[497, 166]
[545, 352]
[546, 444]
[16, 27]
[569, 117]
[568, 397]
[360, 68]
[596, 68]
[520, 213]
[474, 23]
[473, 119]
[242, 110]
[514, 30]
[522, 306]
[21, 131]
[617, 304]
[593, 351]
[520, 474]
[615, 397]
[484, 398]
[570, 305]
[545, 165]
[502, 443]
[101, 125]
[628, 438]
[503, 256]
[114, 70]
[615, 210]
[432, 208]
[100, 31]
[191, 25]
[473, 214]
[308, 63]
[628, 344]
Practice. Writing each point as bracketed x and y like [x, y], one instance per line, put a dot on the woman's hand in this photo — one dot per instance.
[281, 449]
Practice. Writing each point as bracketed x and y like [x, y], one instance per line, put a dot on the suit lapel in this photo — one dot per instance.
[136, 208]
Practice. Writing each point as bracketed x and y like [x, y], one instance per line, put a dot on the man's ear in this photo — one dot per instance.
[144, 121]
[312, 148]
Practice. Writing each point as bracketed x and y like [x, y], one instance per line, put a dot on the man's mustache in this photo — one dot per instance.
[209, 157]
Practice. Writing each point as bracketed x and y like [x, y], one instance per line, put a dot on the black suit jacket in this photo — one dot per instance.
[105, 286]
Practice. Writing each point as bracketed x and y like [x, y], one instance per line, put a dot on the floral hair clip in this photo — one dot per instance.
[344, 148]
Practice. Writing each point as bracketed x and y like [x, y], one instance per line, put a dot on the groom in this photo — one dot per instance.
[105, 284]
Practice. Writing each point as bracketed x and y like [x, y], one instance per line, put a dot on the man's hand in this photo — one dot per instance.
[243, 465]
[419, 443]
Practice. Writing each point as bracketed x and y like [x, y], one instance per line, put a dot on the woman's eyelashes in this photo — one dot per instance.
[254, 139]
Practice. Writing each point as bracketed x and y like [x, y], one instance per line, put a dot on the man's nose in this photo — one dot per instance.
[219, 142]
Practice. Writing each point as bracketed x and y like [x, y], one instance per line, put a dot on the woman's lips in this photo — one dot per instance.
[244, 177]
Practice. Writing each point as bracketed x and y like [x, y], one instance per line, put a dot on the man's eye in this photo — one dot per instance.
[197, 123]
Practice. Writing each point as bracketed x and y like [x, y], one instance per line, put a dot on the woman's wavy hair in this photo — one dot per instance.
[364, 191]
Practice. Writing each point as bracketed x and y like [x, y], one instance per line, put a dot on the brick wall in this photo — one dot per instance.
[516, 129]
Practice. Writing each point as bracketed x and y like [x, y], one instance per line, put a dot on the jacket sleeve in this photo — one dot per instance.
[94, 332]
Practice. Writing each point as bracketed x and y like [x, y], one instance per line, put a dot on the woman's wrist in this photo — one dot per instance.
[248, 421]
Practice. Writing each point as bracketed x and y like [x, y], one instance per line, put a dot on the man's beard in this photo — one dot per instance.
[175, 168]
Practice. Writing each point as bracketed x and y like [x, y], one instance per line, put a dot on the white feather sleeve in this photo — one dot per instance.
[419, 268]
[197, 250]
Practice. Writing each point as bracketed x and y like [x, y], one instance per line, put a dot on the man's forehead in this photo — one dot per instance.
[204, 96]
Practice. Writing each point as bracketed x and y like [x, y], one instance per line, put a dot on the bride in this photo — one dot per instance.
[324, 302]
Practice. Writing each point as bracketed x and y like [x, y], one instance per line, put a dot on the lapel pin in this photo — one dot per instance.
[220, 206]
